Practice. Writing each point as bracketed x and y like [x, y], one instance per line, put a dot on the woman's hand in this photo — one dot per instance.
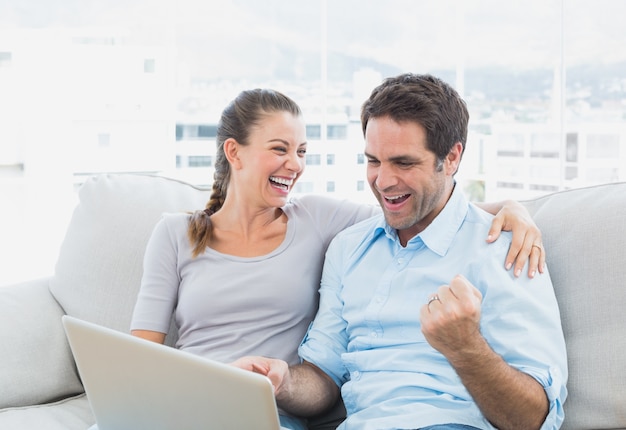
[526, 244]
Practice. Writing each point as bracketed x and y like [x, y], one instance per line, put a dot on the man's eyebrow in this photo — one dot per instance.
[369, 155]
[399, 158]
[405, 158]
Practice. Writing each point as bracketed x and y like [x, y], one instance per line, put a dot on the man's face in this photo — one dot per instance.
[409, 183]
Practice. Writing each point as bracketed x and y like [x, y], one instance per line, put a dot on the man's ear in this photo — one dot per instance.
[453, 159]
[231, 150]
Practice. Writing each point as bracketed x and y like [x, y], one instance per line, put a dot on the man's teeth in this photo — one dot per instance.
[281, 181]
[395, 197]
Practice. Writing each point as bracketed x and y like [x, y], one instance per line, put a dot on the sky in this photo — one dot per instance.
[523, 33]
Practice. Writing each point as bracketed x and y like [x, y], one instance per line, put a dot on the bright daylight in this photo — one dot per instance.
[109, 118]
[137, 86]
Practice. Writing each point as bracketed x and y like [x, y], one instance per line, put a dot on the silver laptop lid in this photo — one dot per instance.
[132, 383]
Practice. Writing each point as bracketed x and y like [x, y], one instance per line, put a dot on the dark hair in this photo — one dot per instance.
[423, 99]
[246, 111]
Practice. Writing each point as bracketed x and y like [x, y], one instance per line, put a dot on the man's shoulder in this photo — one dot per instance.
[479, 220]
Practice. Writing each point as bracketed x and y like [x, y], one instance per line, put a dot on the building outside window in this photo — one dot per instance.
[547, 101]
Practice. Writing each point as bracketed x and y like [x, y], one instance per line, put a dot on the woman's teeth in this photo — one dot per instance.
[285, 183]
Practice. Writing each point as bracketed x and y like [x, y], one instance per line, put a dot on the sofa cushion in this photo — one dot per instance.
[37, 364]
[72, 413]
[99, 269]
[584, 233]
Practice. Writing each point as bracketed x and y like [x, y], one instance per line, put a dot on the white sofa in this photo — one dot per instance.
[100, 264]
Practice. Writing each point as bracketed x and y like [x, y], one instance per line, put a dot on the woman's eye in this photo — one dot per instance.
[302, 152]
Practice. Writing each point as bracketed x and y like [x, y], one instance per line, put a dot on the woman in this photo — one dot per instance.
[241, 276]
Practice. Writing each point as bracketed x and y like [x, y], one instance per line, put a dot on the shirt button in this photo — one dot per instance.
[374, 334]
[400, 260]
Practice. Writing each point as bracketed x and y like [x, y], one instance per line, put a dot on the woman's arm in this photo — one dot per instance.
[153, 336]
[526, 244]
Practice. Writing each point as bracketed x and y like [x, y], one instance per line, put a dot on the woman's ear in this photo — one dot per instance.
[231, 150]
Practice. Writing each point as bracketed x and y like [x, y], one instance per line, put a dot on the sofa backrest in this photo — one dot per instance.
[584, 234]
[99, 269]
[98, 272]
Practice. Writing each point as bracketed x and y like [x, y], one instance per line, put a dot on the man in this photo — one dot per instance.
[419, 323]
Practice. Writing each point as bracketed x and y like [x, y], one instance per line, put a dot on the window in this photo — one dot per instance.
[603, 146]
[313, 132]
[149, 65]
[313, 159]
[330, 186]
[337, 132]
[545, 145]
[571, 147]
[510, 145]
[104, 140]
[511, 185]
[547, 100]
[303, 187]
[207, 131]
[200, 161]
[5, 59]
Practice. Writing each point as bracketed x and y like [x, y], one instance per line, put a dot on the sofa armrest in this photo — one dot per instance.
[36, 364]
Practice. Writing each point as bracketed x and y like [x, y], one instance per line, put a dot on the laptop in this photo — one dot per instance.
[133, 383]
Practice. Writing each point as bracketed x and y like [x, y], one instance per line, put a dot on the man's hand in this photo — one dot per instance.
[451, 318]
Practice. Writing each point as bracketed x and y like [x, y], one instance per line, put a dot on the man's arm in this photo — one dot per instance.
[508, 398]
[526, 244]
[303, 390]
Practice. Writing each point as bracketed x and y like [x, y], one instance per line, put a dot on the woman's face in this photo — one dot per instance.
[268, 167]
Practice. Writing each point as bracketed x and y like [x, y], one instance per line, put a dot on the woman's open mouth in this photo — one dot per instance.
[282, 183]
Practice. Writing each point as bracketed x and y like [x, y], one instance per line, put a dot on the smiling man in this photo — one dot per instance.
[419, 323]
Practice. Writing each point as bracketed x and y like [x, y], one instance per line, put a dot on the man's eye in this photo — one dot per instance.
[373, 162]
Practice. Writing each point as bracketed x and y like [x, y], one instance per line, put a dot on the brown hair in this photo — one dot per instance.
[423, 99]
[238, 118]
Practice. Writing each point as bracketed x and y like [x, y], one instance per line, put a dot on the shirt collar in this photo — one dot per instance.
[438, 236]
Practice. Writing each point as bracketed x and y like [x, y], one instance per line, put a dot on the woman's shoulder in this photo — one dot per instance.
[325, 203]
[330, 214]
[173, 222]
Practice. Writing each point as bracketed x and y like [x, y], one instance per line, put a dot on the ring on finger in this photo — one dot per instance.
[433, 298]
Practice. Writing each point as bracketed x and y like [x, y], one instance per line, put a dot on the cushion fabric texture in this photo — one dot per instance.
[98, 273]
[99, 269]
[36, 362]
[584, 233]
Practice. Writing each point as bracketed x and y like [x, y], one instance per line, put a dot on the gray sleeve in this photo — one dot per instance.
[159, 285]
[333, 215]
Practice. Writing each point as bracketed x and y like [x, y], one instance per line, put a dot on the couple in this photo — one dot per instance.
[422, 322]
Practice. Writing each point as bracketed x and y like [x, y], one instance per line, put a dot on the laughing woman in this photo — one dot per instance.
[241, 276]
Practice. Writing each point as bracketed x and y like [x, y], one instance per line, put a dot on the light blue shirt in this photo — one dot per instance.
[367, 335]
